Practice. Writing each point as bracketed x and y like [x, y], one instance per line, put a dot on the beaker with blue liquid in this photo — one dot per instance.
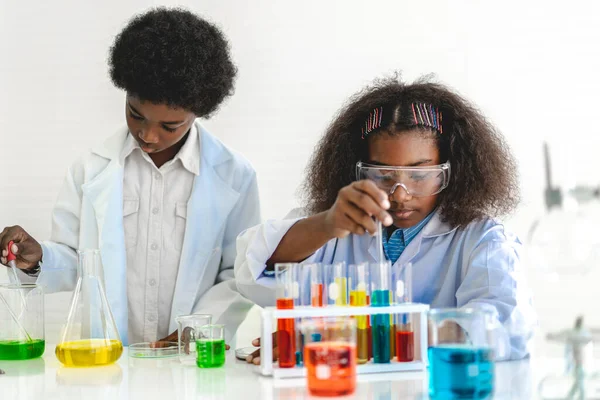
[461, 356]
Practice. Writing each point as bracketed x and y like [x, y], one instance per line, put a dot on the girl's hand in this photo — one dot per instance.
[254, 358]
[356, 208]
[25, 247]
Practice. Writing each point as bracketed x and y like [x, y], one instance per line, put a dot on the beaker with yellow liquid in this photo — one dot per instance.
[90, 337]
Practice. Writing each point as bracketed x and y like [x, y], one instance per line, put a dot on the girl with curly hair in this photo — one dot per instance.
[163, 199]
[435, 173]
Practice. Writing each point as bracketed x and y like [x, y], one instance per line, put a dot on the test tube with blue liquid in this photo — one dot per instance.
[381, 278]
[461, 357]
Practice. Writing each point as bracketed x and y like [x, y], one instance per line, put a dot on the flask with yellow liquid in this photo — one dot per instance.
[90, 337]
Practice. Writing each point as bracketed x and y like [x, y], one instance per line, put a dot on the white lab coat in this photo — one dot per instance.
[89, 214]
[475, 266]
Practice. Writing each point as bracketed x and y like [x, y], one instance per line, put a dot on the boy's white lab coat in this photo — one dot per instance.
[475, 266]
[89, 214]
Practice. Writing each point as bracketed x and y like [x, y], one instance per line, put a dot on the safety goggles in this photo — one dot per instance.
[416, 181]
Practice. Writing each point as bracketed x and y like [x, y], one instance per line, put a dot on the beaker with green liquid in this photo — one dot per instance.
[210, 347]
[21, 322]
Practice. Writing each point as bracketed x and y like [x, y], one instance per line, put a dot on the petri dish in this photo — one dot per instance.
[153, 350]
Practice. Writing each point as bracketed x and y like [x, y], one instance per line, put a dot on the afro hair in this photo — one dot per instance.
[173, 57]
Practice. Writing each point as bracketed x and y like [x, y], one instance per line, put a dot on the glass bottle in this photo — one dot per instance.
[90, 337]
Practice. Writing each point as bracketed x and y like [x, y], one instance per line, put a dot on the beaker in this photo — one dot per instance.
[461, 363]
[90, 337]
[358, 282]
[403, 324]
[188, 331]
[330, 355]
[210, 346]
[21, 322]
[381, 279]
[287, 291]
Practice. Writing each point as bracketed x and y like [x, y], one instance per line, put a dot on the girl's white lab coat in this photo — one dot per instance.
[475, 266]
[89, 214]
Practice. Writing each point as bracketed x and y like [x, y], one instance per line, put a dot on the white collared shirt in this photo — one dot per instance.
[154, 219]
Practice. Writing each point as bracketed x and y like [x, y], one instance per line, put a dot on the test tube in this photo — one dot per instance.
[330, 355]
[402, 278]
[303, 276]
[359, 287]
[315, 272]
[287, 288]
[336, 280]
[381, 277]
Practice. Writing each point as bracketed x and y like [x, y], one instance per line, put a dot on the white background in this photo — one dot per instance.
[530, 66]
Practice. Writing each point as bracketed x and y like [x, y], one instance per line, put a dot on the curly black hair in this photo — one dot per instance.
[483, 179]
[173, 57]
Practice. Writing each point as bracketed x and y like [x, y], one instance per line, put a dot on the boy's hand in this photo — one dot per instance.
[25, 247]
[354, 209]
[173, 337]
[254, 358]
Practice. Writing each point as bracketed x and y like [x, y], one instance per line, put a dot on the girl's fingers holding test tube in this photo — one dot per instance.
[359, 220]
[254, 358]
[372, 200]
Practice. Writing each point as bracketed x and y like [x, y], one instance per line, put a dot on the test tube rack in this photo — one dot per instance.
[270, 314]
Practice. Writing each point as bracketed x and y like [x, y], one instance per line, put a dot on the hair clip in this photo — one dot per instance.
[427, 115]
[373, 122]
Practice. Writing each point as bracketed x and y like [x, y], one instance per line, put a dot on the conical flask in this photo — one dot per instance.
[90, 337]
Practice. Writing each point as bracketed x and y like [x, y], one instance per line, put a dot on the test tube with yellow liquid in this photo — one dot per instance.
[336, 280]
[90, 337]
[359, 287]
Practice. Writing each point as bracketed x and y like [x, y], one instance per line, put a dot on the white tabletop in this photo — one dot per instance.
[147, 379]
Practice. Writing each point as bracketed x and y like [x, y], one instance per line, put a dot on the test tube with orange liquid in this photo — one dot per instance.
[287, 289]
[330, 355]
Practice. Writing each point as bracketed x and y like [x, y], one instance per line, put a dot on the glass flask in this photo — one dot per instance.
[461, 354]
[21, 322]
[90, 337]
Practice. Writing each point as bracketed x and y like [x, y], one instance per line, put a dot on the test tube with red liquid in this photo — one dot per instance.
[330, 355]
[287, 289]
[402, 287]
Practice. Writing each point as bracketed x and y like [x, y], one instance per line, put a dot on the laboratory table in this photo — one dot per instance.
[148, 379]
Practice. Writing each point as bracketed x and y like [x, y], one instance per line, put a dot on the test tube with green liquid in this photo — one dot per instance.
[381, 278]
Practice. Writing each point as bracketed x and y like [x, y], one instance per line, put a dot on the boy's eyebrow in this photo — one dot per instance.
[415, 164]
[163, 122]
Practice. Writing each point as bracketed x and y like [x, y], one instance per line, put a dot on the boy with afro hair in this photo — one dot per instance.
[163, 200]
